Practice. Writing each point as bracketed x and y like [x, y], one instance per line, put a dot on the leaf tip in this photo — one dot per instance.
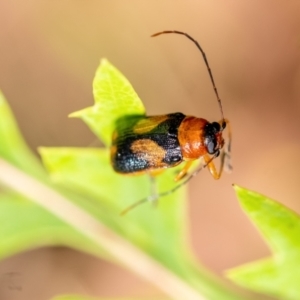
[104, 61]
[237, 188]
[79, 113]
[2, 98]
[229, 274]
[74, 114]
[40, 149]
[104, 65]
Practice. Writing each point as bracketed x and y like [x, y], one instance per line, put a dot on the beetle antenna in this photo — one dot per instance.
[205, 60]
[168, 192]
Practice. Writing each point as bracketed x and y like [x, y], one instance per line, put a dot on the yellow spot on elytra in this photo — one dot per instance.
[150, 151]
[115, 135]
[148, 124]
[113, 151]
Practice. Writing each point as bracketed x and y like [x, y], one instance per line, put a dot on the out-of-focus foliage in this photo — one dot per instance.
[278, 275]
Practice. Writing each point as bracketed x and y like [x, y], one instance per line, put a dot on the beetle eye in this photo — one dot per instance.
[211, 130]
[210, 147]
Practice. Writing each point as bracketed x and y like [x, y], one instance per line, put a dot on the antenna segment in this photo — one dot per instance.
[205, 60]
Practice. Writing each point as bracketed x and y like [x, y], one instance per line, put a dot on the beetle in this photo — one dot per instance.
[150, 144]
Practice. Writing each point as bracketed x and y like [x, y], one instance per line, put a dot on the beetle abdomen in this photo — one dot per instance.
[143, 143]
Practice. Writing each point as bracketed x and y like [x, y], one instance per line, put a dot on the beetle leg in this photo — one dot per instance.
[153, 187]
[227, 150]
[184, 171]
[227, 164]
[212, 167]
[153, 184]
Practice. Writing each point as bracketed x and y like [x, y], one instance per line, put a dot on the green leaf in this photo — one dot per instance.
[114, 97]
[88, 172]
[12, 146]
[23, 224]
[278, 275]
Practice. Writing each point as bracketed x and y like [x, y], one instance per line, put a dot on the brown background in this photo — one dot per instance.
[49, 51]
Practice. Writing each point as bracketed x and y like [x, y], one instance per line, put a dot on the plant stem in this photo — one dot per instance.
[120, 250]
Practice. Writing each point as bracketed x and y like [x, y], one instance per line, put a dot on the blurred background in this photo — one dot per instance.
[48, 56]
